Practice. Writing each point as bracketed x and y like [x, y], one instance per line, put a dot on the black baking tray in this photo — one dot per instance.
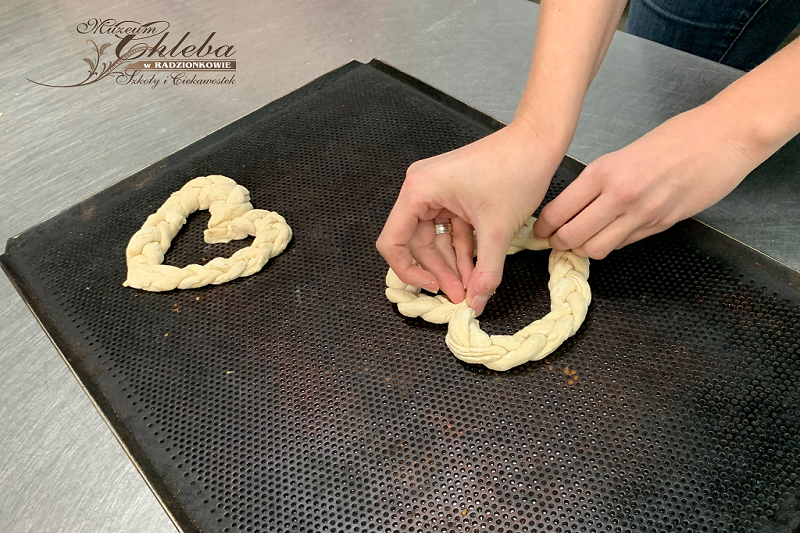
[298, 399]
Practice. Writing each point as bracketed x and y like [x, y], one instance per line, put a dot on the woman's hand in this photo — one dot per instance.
[492, 185]
[675, 171]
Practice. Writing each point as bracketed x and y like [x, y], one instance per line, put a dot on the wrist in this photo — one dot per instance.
[755, 135]
[548, 139]
[762, 108]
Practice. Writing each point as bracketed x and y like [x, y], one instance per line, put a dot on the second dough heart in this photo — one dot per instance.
[232, 217]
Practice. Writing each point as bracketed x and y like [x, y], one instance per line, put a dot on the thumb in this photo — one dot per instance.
[492, 247]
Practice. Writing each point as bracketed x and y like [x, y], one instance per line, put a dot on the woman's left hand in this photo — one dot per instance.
[675, 171]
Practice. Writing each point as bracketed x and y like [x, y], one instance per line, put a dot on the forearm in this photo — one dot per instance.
[761, 110]
[571, 42]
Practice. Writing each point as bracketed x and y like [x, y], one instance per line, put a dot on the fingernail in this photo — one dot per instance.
[479, 303]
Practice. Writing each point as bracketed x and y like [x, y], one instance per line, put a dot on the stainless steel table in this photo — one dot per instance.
[60, 467]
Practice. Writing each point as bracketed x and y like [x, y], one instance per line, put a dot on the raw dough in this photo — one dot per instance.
[569, 300]
[232, 217]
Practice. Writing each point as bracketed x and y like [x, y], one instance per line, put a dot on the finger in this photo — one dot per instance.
[572, 200]
[449, 282]
[425, 251]
[400, 227]
[609, 238]
[444, 244]
[401, 224]
[463, 245]
[402, 262]
[586, 224]
[493, 241]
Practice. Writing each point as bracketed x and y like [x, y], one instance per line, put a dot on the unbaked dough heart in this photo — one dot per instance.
[570, 297]
[232, 217]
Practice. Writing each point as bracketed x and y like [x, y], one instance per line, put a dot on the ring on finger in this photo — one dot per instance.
[441, 229]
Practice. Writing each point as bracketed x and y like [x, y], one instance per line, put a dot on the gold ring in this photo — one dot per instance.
[443, 228]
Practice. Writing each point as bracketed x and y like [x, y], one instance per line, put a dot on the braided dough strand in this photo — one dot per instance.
[232, 217]
[570, 297]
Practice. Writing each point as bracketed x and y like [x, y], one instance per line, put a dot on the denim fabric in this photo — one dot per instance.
[739, 33]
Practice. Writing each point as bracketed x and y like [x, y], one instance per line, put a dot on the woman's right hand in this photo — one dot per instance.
[492, 186]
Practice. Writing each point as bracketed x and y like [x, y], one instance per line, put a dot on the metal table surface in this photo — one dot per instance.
[60, 467]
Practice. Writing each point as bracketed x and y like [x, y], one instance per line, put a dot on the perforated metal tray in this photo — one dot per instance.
[298, 399]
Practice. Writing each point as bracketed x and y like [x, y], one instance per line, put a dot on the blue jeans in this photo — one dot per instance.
[739, 33]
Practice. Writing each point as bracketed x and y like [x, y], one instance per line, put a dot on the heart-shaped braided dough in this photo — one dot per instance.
[570, 297]
[232, 217]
